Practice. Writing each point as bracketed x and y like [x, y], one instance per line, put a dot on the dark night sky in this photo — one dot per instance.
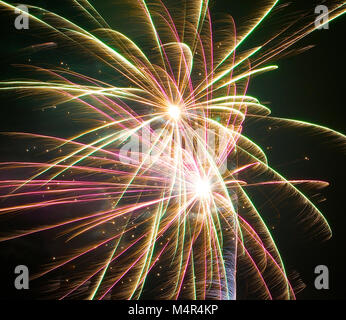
[309, 86]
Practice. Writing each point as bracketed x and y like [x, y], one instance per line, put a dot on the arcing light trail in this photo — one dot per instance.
[175, 226]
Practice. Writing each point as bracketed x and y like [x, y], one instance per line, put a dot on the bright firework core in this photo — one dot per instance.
[174, 111]
[202, 189]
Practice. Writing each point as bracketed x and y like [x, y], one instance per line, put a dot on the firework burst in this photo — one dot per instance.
[150, 196]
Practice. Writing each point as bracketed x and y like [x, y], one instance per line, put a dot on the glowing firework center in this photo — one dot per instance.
[174, 111]
[202, 189]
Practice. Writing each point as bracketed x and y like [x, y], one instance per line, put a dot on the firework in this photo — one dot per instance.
[149, 196]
